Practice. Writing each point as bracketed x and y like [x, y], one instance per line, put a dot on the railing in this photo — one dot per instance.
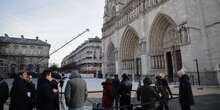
[205, 77]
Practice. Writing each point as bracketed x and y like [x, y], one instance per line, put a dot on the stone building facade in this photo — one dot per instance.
[148, 37]
[22, 54]
[86, 57]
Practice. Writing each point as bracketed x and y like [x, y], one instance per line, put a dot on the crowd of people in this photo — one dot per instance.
[151, 97]
[24, 95]
[116, 94]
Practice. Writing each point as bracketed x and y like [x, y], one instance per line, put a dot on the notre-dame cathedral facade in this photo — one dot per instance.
[148, 37]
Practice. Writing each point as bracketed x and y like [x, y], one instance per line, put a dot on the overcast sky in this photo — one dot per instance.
[57, 21]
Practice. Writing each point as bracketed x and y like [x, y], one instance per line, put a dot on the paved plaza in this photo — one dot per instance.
[206, 98]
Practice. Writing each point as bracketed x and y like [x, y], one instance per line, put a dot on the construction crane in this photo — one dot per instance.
[42, 59]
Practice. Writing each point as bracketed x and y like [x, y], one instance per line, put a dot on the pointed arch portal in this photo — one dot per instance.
[165, 54]
[111, 67]
[130, 52]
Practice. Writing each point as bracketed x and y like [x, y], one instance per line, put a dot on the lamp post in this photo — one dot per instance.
[197, 70]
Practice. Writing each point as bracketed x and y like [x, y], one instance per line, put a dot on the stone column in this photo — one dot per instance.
[117, 71]
[217, 68]
[143, 57]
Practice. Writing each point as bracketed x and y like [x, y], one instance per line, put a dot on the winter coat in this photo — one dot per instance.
[45, 95]
[125, 87]
[125, 94]
[163, 88]
[4, 91]
[115, 88]
[148, 97]
[18, 95]
[185, 91]
[107, 99]
[31, 91]
[75, 92]
[54, 85]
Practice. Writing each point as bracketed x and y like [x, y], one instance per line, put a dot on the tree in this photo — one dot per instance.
[54, 67]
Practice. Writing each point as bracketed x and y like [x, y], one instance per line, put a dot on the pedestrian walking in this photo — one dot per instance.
[4, 92]
[45, 92]
[147, 95]
[125, 93]
[163, 90]
[62, 81]
[19, 92]
[54, 84]
[185, 91]
[107, 99]
[75, 92]
[31, 93]
[115, 90]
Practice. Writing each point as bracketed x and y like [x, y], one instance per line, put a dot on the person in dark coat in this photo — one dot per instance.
[19, 92]
[31, 93]
[147, 95]
[163, 90]
[45, 92]
[115, 90]
[125, 93]
[185, 91]
[107, 99]
[4, 92]
[54, 85]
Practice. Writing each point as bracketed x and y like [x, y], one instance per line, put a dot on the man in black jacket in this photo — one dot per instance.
[45, 92]
[54, 84]
[31, 93]
[147, 95]
[19, 92]
[125, 93]
[4, 93]
[185, 91]
[163, 90]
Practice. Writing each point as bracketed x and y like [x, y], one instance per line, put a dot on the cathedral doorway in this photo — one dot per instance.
[111, 66]
[165, 52]
[130, 53]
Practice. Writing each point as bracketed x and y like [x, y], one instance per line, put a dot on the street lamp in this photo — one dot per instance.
[197, 70]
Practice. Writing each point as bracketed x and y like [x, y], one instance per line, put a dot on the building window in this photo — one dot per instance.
[16, 46]
[24, 51]
[39, 52]
[38, 69]
[32, 46]
[24, 46]
[30, 68]
[13, 68]
[22, 66]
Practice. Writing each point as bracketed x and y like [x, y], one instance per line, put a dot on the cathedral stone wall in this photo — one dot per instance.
[197, 35]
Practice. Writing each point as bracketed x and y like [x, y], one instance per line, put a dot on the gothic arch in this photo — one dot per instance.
[164, 51]
[161, 24]
[111, 68]
[129, 50]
